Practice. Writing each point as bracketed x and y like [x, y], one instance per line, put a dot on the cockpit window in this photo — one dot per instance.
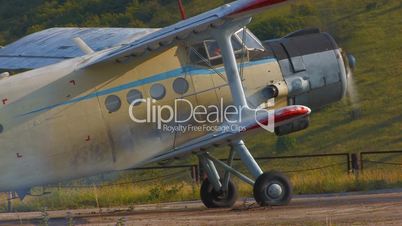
[209, 53]
[214, 51]
[249, 40]
[198, 54]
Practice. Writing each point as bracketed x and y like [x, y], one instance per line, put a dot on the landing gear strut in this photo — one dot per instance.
[218, 199]
[217, 192]
[270, 188]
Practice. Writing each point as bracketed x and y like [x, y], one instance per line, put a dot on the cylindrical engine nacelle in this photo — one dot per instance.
[312, 66]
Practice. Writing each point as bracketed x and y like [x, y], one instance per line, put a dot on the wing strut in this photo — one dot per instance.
[83, 45]
[223, 36]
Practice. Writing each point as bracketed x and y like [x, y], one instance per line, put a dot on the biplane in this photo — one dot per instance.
[86, 101]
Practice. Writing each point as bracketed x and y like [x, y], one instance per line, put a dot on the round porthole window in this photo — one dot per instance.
[134, 95]
[1, 128]
[113, 103]
[180, 86]
[158, 91]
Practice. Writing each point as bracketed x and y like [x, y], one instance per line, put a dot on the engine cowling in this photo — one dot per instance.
[312, 67]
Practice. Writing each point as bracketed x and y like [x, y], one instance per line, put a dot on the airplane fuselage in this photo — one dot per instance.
[61, 122]
[56, 125]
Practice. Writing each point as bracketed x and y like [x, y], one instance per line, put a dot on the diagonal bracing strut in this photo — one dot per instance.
[223, 36]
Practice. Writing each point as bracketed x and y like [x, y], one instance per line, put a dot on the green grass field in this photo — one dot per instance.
[369, 29]
[129, 194]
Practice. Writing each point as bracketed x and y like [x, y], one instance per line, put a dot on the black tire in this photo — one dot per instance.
[272, 189]
[218, 199]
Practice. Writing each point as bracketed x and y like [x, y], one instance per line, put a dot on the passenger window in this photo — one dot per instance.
[112, 103]
[180, 86]
[134, 95]
[158, 91]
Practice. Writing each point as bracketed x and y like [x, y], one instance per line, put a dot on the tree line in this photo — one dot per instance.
[20, 17]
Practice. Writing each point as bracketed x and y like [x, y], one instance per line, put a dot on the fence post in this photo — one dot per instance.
[9, 202]
[198, 167]
[203, 174]
[356, 167]
[195, 174]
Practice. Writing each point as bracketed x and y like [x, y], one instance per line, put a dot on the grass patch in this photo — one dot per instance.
[371, 31]
[129, 195]
[106, 197]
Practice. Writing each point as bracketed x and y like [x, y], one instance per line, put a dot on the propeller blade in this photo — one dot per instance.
[352, 91]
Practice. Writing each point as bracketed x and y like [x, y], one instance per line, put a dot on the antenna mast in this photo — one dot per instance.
[182, 11]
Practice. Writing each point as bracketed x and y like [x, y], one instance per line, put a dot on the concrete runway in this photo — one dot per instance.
[361, 208]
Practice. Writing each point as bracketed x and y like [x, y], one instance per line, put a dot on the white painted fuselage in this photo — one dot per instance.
[55, 125]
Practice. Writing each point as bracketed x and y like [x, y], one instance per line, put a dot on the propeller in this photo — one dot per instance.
[351, 91]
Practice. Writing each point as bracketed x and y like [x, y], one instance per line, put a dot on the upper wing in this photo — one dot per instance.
[56, 44]
[181, 30]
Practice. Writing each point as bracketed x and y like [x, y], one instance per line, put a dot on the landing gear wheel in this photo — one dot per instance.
[218, 199]
[272, 189]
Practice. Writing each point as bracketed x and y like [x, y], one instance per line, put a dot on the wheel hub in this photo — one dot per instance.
[274, 190]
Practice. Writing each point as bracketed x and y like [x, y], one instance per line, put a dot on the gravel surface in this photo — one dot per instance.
[371, 208]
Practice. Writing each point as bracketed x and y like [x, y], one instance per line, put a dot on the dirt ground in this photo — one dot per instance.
[370, 208]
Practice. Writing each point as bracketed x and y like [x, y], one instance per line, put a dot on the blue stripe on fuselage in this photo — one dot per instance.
[151, 79]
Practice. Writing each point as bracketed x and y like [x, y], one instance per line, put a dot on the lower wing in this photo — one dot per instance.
[261, 119]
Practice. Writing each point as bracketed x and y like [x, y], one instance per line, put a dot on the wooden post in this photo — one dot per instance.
[194, 174]
[9, 202]
[202, 173]
[356, 167]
